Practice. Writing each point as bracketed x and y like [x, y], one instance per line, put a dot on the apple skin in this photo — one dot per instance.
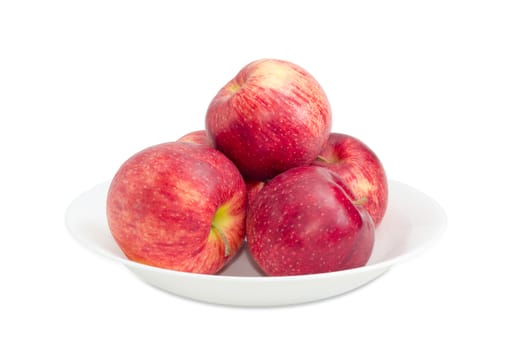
[306, 221]
[199, 137]
[167, 203]
[253, 188]
[272, 116]
[360, 169]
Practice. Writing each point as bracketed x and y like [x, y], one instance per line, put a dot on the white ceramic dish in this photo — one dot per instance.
[412, 222]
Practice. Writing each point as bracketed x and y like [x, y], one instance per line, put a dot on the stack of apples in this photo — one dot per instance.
[266, 173]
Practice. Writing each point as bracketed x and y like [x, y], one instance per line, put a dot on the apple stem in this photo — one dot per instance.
[323, 159]
[360, 201]
[224, 239]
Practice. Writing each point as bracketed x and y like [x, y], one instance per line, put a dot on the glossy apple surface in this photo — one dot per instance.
[361, 170]
[305, 221]
[178, 206]
[272, 116]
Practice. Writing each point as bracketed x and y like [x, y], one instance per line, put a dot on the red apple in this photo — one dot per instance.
[360, 169]
[272, 116]
[178, 206]
[306, 221]
[199, 137]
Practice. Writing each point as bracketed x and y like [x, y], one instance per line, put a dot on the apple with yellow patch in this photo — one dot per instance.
[272, 116]
[360, 169]
[178, 206]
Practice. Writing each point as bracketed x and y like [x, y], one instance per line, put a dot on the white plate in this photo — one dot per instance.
[412, 222]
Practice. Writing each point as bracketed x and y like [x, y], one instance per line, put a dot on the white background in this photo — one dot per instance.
[85, 84]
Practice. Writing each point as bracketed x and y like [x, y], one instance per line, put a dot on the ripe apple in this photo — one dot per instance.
[199, 137]
[360, 169]
[272, 116]
[306, 221]
[178, 206]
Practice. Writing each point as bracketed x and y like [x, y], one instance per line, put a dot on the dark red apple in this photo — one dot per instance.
[272, 116]
[179, 206]
[360, 169]
[306, 221]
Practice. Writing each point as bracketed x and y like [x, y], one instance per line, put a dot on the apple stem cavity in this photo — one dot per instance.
[331, 159]
[322, 159]
[222, 235]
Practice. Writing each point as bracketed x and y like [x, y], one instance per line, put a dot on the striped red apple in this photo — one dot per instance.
[360, 169]
[179, 206]
[272, 116]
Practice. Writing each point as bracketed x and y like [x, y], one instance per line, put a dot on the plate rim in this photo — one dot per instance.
[386, 264]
